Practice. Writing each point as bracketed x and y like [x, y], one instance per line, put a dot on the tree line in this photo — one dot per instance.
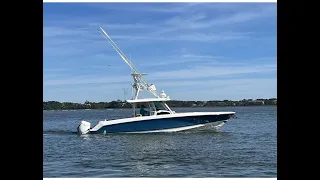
[55, 105]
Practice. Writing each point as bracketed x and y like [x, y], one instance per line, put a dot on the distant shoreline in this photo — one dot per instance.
[87, 105]
[171, 108]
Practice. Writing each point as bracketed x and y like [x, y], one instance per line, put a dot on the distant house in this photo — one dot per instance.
[262, 102]
[259, 101]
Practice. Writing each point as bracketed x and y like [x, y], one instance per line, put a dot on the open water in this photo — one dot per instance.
[243, 147]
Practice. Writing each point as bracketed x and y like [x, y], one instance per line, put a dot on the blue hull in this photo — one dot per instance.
[161, 124]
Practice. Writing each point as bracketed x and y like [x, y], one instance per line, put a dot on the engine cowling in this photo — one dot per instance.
[84, 127]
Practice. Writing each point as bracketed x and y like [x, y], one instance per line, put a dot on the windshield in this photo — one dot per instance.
[159, 106]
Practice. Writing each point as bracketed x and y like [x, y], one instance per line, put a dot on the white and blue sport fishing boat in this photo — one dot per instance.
[152, 114]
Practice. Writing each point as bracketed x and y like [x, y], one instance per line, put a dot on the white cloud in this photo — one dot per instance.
[201, 21]
[198, 20]
[231, 89]
[207, 71]
[195, 37]
[172, 60]
[69, 39]
[150, 7]
[199, 56]
[196, 84]
[59, 41]
[253, 89]
[65, 40]
[57, 69]
[86, 80]
[187, 73]
[181, 59]
[123, 26]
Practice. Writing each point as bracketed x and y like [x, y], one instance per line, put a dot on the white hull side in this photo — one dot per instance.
[147, 118]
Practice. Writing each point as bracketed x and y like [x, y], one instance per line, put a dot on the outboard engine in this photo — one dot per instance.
[84, 127]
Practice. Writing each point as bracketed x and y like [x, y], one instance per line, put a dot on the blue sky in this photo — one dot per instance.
[193, 51]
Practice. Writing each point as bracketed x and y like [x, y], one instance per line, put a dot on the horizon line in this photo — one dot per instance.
[168, 100]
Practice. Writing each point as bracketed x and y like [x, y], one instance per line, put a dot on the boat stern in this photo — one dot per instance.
[84, 127]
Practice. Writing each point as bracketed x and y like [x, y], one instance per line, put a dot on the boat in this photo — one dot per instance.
[151, 115]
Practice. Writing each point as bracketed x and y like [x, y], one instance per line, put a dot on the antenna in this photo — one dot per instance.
[139, 82]
[124, 94]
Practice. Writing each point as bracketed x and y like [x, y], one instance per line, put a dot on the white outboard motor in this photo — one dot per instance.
[84, 127]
